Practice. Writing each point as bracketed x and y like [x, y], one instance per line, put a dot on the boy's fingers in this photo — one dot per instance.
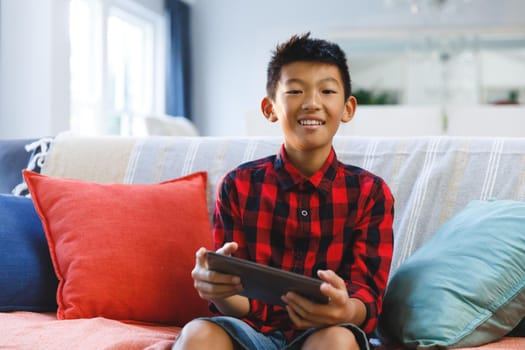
[200, 257]
[228, 248]
[334, 286]
[332, 278]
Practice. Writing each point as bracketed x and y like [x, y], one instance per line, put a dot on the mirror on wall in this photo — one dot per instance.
[437, 67]
[437, 81]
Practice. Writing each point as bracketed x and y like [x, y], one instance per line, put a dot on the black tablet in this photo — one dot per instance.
[266, 283]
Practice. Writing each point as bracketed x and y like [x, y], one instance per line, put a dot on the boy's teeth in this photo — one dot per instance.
[311, 122]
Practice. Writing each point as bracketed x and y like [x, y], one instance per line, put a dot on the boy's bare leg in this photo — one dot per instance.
[331, 338]
[202, 334]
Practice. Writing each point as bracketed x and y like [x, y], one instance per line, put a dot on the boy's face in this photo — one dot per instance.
[309, 103]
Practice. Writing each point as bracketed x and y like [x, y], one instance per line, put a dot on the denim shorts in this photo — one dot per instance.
[251, 339]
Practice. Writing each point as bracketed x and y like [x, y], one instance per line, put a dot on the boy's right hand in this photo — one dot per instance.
[212, 285]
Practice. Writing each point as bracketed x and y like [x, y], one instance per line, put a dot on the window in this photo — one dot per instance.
[117, 66]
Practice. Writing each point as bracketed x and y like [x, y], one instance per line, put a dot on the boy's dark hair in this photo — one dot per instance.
[303, 48]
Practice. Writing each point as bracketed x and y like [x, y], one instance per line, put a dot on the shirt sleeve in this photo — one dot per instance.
[227, 223]
[372, 252]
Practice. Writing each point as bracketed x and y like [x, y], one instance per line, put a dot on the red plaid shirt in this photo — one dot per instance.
[338, 219]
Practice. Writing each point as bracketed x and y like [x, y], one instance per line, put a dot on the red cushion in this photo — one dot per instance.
[125, 251]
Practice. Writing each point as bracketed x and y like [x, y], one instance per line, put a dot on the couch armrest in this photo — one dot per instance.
[13, 158]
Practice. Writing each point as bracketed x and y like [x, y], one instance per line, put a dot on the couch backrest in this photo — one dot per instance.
[431, 177]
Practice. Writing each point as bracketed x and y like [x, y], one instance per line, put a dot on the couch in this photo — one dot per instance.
[105, 243]
[13, 158]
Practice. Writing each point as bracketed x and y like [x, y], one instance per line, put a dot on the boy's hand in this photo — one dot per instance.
[213, 285]
[306, 314]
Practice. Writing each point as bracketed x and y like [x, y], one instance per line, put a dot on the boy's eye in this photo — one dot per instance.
[293, 92]
[328, 91]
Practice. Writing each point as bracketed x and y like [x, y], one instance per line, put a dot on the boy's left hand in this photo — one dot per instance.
[305, 313]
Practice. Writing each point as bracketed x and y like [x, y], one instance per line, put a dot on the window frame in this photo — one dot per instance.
[134, 13]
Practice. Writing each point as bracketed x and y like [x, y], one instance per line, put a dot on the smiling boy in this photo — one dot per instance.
[304, 211]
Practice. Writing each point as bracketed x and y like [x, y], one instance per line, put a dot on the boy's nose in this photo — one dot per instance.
[311, 101]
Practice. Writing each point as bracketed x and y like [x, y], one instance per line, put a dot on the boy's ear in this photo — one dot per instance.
[267, 109]
[350, 106]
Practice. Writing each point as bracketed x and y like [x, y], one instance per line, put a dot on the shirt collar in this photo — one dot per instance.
[289, 176]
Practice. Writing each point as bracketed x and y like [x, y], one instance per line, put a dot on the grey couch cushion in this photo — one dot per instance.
[13, 158]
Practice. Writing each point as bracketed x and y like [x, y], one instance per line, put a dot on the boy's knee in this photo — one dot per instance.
[202, 334]
[331, 338]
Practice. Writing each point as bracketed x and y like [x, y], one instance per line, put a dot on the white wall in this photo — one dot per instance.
[34, 68]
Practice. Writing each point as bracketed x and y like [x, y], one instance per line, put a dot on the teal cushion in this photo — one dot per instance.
[465, 286]
[27, 279]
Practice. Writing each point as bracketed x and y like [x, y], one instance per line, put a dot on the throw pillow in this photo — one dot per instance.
[38, 150]
[465, 286]
[27, 279]
[125, 251]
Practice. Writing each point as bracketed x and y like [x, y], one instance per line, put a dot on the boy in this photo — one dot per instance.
[303, 211]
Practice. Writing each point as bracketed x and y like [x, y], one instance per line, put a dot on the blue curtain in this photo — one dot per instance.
[178, 84]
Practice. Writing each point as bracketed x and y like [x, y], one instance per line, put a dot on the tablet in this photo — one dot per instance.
[266, 283]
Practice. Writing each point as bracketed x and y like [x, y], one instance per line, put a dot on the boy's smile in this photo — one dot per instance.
[309, 103]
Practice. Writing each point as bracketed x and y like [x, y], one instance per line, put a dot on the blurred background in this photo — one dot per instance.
[138, 67]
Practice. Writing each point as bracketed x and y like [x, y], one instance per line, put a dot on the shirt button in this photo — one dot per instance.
[304, 212]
